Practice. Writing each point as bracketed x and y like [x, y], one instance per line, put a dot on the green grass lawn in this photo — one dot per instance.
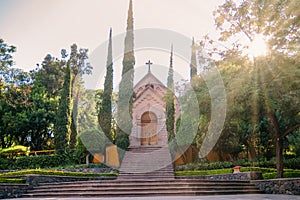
[10, 177]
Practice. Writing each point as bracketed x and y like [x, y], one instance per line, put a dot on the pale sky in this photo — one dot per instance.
[39, 27]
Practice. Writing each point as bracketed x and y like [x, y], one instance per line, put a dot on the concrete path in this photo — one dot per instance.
[217, 197]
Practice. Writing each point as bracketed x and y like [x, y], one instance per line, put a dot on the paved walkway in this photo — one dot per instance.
[219, 197]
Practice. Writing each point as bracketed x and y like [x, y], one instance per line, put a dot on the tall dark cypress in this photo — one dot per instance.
[63, 117]
[125, 96]
[193, 65]
[105, 112]
[170, 106]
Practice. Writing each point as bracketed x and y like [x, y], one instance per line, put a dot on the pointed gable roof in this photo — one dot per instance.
[149, 78]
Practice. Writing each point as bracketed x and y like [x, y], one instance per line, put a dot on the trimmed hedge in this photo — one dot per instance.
[293, 163]
[204, 172]
[56, 173]
[268, 173]
[286, 174]
[40, 161]
[12, 180]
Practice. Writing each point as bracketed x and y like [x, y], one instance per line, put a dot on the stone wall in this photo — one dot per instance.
[12, 190]
[34, 180]
[16, 190]
[243, 176]
[280, 186]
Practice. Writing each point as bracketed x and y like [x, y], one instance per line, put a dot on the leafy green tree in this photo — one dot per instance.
[50, 74]
[126, 93]
[105, 109]
[270, 94]
[63, 116]
[6, 59]
[25, 112]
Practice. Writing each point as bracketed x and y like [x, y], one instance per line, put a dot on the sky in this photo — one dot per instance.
[41, 27]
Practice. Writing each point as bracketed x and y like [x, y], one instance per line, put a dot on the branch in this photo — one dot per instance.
[275, 123]
[290, 130]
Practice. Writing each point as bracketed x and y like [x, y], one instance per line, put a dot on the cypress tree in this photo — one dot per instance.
[125, 98]
[170, 107]
[63, 116]
[105, 111]
[193, 65]
[74, 115]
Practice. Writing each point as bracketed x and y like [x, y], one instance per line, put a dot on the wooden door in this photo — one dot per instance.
[149, 134]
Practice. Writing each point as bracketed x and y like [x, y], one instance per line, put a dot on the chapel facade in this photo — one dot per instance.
[149, 117]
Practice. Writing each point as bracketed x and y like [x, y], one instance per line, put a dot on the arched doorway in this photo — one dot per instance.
[149, 134]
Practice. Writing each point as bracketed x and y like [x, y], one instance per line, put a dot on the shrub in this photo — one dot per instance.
[203, 172]
[6, 163]
[12, 180]
[293, 163]
[56, 173]
[270, 175]
[287, 174]
[41, 161]
[292, 174]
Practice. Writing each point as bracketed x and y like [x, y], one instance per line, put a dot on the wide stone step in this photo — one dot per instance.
[142, 188]
[147, 182]
[159, 187]
[137, 183]
[138, 193]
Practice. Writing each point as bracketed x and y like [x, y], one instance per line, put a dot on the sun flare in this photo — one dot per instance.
[258, 47]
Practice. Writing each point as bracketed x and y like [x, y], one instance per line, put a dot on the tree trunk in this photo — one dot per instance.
[252, 150]
[279, 157]
[87, 159]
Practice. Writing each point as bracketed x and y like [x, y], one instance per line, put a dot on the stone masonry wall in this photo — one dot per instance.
[280, 186]
[12, 190]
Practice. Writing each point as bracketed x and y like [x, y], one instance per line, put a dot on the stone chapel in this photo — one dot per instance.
[149, 118]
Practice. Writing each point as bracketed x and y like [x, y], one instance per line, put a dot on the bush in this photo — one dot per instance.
[292, 174]
[270, 175]
[293, 163]
[203, 172]
[287, 174]
[6, 163]
[41, 161]
[12, 180]
[55, 173]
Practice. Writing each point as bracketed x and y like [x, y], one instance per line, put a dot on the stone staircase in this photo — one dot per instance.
[145, 171]
[132, 188]
[147, 162]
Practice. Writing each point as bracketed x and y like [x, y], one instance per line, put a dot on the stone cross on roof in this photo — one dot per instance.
[149, 63]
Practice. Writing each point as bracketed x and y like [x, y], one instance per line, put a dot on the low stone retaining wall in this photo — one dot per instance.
[92, 170]
[12, 190]
[34, 180]
[242, 176]
[280, 186]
